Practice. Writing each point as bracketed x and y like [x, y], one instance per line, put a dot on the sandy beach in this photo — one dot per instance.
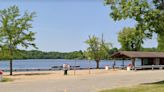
[43, 75]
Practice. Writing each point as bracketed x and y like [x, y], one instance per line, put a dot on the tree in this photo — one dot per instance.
[15, 30]
[149, 49]
[148, 14]
[131, 39]
[113, 50]
[97, 50]
[160, 42]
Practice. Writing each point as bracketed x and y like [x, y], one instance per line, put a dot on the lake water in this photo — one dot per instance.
[48, 63]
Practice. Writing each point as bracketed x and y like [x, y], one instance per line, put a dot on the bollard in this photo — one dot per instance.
[65, 72]
[65, 68]
[1, 75]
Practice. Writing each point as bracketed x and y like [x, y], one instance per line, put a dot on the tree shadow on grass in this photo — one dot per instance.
[159, 82]
[31, 74]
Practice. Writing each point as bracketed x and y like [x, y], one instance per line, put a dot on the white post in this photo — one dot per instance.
[1, 75]
[89, 67]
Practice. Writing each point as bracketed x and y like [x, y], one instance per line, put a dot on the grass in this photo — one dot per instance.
[31, 74]
[149, 87]
[6, 80]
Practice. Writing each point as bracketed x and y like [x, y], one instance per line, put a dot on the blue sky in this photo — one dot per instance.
[63, 25]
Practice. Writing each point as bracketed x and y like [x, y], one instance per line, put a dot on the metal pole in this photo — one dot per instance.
[89, 67]
[114, 64]
[75, 68]
[123, 64]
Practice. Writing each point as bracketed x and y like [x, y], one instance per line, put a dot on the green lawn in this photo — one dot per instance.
[151, 87]
[6, 80]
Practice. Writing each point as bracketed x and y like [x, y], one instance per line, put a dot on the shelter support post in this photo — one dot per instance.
[114, 63]
[133, 63]
[142, 61]
[123, 63]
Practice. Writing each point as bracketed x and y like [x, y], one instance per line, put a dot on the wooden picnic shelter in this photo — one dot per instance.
[148, 59]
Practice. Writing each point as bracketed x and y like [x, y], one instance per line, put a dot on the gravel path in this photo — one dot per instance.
[91, 83]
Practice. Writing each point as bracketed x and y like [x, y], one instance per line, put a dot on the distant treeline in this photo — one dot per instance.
[36, 54]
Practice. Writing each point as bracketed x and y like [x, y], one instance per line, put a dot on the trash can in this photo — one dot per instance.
[1, 75]
[129, 67]
[106, 67]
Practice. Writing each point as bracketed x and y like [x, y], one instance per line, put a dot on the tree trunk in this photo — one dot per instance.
[11, 61]
[11, 67]
[97, 62]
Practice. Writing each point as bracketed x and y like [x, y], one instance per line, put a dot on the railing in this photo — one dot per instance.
[61, 67]
[149, 67]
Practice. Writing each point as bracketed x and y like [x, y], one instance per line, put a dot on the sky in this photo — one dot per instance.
[64, 25]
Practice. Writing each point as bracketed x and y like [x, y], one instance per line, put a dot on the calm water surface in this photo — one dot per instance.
[48, 63]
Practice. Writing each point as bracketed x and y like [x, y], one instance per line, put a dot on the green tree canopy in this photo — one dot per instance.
[131, 39]
[15, 30]
[98, 49]
[160, 42]
[149, 14]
